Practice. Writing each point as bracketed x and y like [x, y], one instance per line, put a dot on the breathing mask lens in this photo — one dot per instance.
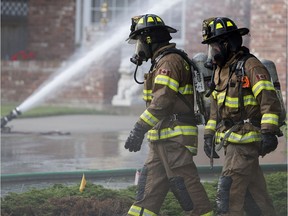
[209, 62]
[218, 53]
[141, 54]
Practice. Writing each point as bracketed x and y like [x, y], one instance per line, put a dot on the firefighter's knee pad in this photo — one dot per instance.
[250, 206]
[222, 198]
[142, 184]
[180, 191]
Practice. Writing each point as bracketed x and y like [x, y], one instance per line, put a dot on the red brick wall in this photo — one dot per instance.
[267, 21]
[196, 11]
[269, 34]
[51, 28]
[19, 79]
[51, 36]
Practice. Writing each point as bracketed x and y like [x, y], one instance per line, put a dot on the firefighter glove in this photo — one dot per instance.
[135, 138]
[269, 143]
[209, 147]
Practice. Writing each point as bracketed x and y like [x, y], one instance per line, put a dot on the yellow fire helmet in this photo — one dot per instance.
[219, 27]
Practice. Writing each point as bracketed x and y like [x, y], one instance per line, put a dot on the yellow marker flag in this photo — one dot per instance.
[83, 183]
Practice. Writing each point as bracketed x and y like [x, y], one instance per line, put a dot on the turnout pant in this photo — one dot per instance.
[170, 166]
[242, 186]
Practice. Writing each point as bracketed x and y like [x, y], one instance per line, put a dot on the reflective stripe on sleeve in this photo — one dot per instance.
[262, 85]
[147, 117]
[211, 125]
[147, 95]
[166, 133]
[187, 89]
[269, 118]
[167, 81]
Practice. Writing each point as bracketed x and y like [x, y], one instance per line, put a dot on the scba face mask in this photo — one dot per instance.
[142, 52]
[217, 53]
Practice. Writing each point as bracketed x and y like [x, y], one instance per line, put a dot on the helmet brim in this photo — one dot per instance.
[242, 31]
[133, 34]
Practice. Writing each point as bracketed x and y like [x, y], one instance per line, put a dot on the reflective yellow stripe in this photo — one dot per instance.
[219, 25]
[250, 100]
[147, 95]
[214, 94]
[230, 102]
[208, 214]
[262, 85]
[150, 19]
[269, 118]
[141, 21]
[187, 89]
[166, 133]
[233, 102]
[167, 81]
[220, 97]
[147, 117]
[135, 211]
[158, 19]
[249, 137]
[192, 149]
[228, 23]
[211, 124]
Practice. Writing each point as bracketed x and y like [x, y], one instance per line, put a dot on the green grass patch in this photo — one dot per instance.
[50, 111]
[99, 201]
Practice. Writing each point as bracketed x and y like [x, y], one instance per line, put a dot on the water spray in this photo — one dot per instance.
[13, 114]
[95, 54]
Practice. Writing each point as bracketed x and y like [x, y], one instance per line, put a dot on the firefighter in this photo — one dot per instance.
[244, 118]
[169, 124]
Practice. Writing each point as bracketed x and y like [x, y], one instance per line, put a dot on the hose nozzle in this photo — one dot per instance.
[13, 114]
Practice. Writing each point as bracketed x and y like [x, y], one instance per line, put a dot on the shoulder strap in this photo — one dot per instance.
[197, 97]
[240, 73]
[239, 66]
[177, 51]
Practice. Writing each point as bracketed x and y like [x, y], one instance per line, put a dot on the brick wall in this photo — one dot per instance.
[196, 11]
[51, 36]
[269, 34]
[267, 21]
[51, 28]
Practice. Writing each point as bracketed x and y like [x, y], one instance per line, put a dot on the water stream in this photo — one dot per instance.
[97, 53]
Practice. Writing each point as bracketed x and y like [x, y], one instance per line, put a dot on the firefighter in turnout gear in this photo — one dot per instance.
[244, 118]
[169, 124]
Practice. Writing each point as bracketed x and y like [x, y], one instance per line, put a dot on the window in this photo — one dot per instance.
[106, 14]
[13, 28]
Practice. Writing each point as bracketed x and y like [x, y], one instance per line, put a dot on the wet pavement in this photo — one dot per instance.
[84, 143]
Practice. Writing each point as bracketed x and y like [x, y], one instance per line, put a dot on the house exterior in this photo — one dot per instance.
[40, 36]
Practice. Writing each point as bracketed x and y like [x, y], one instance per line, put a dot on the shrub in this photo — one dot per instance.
[96, 200]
